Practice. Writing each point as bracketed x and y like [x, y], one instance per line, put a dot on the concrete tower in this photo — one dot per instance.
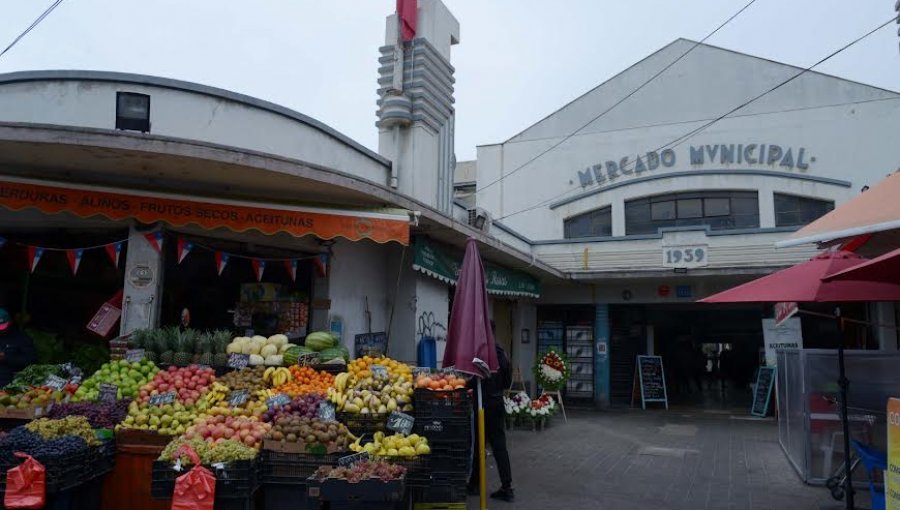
[415, 105]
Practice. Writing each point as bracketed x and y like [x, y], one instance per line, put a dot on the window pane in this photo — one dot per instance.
[590, 224]
[792, 210]
[716, 207]
[690, 208]
[662, 211]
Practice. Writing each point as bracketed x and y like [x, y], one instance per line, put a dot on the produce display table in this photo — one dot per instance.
[128, 485]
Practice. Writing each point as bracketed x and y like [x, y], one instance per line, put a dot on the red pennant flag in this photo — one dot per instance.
[155, 239]
[74, 257]
[114, 251]
[184, 247]
[259, 267]
[321, 263]
[407, 15]
[34, 256]
[291, 266]
[221, 261]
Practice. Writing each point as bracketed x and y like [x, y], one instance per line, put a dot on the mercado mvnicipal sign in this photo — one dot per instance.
[178, 211]
[745, 155]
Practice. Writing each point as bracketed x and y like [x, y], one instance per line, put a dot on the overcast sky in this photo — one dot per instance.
[517, 61]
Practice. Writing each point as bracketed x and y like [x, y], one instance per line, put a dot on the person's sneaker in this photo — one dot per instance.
[504, 494]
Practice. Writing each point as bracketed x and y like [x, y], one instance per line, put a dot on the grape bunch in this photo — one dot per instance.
[101, 415]
[363, 470]
[59, 448]
[19, 439]
[68, 426]
[306, 406]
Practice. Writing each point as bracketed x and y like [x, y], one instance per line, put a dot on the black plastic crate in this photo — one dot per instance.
[365, 505]
[281, 467]
[245, 503]
[455, 492]
[287, 496]
[449, 457]
[448, 429]
[360, 424]
[234, 480]
[430, 404]
[336, 492]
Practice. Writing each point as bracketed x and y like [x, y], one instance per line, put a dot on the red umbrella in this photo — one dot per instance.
[470, 341]
[885, 268]
[804, 283]
[469, 335]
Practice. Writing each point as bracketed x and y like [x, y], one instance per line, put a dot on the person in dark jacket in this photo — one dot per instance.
[493, 389]
[16, 349]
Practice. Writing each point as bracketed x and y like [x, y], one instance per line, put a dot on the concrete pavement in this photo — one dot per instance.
[676, 459]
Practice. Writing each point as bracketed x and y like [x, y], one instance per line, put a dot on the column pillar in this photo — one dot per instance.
[143, 283]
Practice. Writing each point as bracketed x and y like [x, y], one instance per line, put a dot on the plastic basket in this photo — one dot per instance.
[454, 428]
[280, 467]
[364, 423]
[455, 492]
[233, 480]
[336, 491]
[430, 404]
[287, 496]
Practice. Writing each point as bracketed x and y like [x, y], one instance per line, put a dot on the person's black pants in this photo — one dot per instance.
[495, 436]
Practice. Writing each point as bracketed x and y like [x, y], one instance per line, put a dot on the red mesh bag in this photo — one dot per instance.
[26, 484]
[196, 489]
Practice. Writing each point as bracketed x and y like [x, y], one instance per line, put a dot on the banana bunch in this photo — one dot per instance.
[276, 376]
[217, 393]
[337, 397]
[263, 395]
[340, 381]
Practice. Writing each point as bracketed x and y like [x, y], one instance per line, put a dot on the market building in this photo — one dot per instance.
[658, 202]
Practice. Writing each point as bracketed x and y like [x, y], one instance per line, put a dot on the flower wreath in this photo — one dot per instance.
[552, 370]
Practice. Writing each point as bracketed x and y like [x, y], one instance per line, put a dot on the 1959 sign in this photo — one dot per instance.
[684, 256]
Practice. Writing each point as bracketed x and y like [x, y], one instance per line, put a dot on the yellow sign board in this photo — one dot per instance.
[892, 476]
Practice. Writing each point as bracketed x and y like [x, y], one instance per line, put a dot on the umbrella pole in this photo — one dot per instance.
[843, 383]
[482, 471]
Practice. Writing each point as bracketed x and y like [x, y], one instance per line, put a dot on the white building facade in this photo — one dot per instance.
[659, 202]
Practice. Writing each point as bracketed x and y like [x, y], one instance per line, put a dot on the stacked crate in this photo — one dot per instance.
[445, 419]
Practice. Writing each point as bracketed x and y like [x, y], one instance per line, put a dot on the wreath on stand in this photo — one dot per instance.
[551, 371]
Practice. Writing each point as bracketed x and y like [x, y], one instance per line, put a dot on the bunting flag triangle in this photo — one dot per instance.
[34, 256]
[184, 247]
[74, 257]
[321, 264]
[155, 239]
[259, 267]
[221, 261]
[291, 266]
[114, 250]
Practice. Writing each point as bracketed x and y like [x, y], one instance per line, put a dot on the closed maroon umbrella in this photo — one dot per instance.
[806, 282]
[470, 341]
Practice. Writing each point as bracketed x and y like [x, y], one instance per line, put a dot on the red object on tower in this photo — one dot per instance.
[408, 12]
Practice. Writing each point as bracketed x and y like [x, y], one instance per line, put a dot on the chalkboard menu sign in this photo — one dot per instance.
[651, 378]
[765, 380]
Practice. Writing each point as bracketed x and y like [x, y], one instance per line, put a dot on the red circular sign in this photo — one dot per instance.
[663, 290]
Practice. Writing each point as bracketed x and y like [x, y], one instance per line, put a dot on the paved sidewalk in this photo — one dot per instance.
[655, 460]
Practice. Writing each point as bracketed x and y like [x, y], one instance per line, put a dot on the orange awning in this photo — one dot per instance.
[874, 210]
[178, 211]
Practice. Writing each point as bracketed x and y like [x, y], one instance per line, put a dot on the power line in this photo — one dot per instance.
[620, 101]
[683, 138]
[31, 27]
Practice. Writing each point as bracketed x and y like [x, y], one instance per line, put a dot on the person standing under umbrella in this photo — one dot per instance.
[493, 390]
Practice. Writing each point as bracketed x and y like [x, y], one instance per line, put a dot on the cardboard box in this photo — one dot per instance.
[27, 413]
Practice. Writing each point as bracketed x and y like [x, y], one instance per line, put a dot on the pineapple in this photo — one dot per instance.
[143, 339]
[184, 346]
[220, 341]
[164, 346]
[204, 349]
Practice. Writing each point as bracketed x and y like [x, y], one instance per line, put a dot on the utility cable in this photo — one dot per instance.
[31, 27]
[620, 101]
[683, 138]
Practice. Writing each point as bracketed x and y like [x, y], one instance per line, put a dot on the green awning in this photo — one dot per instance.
[437, 262]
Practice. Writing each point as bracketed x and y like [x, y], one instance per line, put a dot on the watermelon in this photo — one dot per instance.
[320, 340]
[334, 353]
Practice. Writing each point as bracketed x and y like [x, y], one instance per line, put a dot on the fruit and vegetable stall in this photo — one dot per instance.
[184, 417]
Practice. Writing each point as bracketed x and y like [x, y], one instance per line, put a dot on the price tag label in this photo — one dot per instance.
[326, 411]
[400, 422]
[55, 382]
[163, 399]
[134, 355]
[417, 371]
[307, 359]
[349, 460]
[378, 370]
[278, 400]
[238, 397]
[236, 360]
[108, 392]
